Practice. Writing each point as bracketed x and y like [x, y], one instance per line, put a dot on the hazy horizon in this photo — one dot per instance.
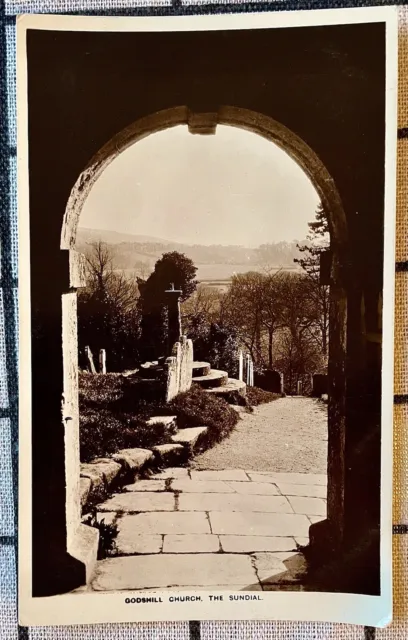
[144, 238]
[233, 189]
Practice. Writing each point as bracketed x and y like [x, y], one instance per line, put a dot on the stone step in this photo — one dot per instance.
[190, 438]
[133, 459]
[169, 422]
[215, 378]
[201, 369]
[170, 454]
[229, 390]
[150, 370]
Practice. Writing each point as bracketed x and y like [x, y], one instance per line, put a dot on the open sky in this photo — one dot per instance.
[231, 188]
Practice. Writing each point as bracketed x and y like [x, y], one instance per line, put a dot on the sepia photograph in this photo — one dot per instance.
[206, 220]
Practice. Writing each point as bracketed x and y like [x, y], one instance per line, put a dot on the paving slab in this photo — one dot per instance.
[233, 502]
[166, 523]
[171, 472]
[308, 506]
[127, 542]
[303, 490]
[146, 485]
[255, 488]
[201, 486]
[191, 543]
[225, 474]
[302, 541]
[314, 519]
[109, 517]
[259, 524]
[278, 568]
[133, 501]
[167, 570]
[249, 544]
[289, 478]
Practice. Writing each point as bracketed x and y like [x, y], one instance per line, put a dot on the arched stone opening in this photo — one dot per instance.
[205, 123]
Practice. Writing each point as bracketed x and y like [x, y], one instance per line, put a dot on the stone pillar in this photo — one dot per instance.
[241, 366]
[172, 296]
[64, 550]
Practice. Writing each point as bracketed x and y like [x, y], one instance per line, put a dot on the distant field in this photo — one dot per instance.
[221, 274]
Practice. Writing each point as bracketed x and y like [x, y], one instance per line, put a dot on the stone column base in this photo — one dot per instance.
[65, 572]
[337, 566]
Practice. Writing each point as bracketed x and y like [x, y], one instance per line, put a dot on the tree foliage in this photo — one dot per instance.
[108, 316]
[318, 241]
[172, 269]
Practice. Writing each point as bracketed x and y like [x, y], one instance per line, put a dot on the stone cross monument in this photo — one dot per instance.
[172, 297]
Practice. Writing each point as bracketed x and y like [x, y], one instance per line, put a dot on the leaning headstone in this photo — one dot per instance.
[102, 361]
[186, 364]
[90, 360]
[172, 378]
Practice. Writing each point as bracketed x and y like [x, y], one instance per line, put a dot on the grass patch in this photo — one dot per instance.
[256, 396]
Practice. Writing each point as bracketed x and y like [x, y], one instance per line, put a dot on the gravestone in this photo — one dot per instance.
[172, 379]
[186, 365]
[320, 385]
[102, 361]
[269, 380]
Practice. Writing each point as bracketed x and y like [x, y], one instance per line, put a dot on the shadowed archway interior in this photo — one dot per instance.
[307, 159]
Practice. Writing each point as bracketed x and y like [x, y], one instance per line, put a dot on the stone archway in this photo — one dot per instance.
[205, 124]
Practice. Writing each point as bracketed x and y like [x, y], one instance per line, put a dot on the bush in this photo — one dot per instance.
[111, 418]
[256, 396]
[196, 408]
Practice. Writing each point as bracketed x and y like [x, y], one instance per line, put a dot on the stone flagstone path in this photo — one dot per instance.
[228, 529]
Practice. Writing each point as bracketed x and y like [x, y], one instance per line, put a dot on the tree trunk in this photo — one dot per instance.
[270, 349]
[258, 347]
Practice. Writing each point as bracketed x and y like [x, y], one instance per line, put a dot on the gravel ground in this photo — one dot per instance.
[289, 435]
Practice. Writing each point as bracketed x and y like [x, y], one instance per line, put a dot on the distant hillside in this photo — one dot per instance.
[85, 235]
[138, 254]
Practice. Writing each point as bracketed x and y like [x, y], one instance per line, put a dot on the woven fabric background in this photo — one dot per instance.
[8, 350]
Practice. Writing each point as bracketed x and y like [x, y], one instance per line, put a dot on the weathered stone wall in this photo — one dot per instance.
[179, 368]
